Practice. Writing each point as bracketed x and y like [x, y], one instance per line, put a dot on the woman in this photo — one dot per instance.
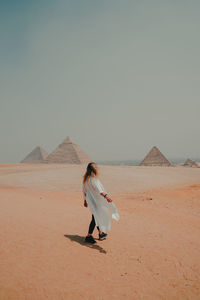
[99, 204]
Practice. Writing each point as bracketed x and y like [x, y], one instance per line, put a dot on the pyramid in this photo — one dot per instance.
[67, 153]
[191, 163]
[155, 158]
[37, 156]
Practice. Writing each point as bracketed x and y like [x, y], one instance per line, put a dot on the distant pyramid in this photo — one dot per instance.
[67, 153]
[191, 163]
[37, 156]
[155, 158]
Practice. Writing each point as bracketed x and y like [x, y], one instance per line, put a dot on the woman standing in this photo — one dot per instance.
[99, 204]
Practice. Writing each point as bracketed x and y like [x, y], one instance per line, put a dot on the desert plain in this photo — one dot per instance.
[153, 252]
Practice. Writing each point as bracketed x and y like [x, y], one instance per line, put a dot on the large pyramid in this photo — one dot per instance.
[191, 163]
[155, 158]
[37, 156]
[67, 153]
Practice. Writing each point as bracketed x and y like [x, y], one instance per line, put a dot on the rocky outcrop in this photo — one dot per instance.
[191, 163]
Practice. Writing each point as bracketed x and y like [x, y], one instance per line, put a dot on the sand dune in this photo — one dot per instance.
[152, 253]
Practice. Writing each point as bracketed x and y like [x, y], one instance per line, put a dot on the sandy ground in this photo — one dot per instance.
[153, 252]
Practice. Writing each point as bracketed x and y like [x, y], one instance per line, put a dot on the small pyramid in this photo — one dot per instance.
[191, 163]
[37, 156]
[155, 158]
[67, 153]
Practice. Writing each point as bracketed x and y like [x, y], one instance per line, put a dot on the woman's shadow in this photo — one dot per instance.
[81, 240]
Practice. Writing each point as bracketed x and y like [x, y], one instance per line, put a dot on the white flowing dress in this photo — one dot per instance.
[98, 205]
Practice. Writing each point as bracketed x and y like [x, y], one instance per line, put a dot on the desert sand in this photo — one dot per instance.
[153, 252]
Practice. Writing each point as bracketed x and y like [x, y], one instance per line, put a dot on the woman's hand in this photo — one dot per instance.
[108, 199]
[85, 203]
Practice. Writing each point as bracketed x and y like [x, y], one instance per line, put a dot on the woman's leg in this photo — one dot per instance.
[89, 238]
[100, 232]
[91, 226]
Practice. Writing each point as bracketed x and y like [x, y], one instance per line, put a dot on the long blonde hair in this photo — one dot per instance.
[90, 171]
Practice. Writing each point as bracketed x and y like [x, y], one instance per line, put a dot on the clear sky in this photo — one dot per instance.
[117, 76]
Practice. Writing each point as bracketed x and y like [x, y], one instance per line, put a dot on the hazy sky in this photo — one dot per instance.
[118, 77]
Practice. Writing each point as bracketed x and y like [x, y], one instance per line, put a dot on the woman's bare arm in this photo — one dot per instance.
[106, 197]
